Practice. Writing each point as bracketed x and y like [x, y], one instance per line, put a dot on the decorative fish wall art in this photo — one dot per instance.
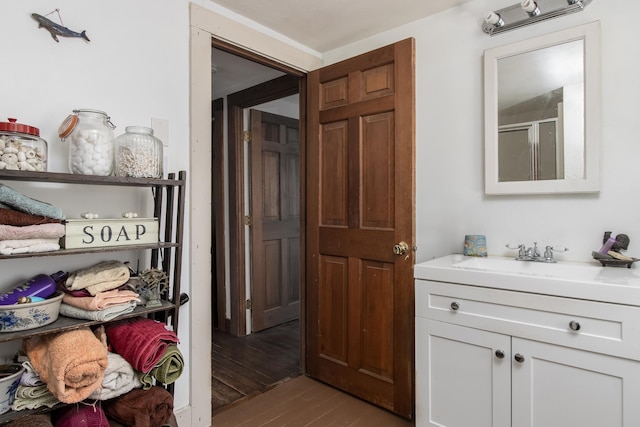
[57, 29]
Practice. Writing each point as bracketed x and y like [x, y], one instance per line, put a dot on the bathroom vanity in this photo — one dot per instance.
[505, 343]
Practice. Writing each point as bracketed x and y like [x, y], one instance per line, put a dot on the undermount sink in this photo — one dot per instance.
[546, 269]
[563, 278]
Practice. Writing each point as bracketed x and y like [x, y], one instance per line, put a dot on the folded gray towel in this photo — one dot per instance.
[26, 204]
[103, 315]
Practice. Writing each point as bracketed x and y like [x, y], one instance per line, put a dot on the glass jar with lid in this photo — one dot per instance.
[21, 147]
[92, 142]
[138, 153]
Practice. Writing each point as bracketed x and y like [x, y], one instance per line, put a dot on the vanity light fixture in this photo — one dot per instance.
[529, 12]
[531, 7]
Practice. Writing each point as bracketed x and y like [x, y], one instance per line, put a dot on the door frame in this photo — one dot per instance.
[292, 82]
[205, 24]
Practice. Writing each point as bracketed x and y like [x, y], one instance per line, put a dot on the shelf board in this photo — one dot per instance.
[102, 249]
[64, 323]
[69, 178]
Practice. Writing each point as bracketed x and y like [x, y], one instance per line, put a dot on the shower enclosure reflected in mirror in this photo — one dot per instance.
[542, 111]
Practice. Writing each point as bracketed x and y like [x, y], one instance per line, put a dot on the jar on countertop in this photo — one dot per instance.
[92, 142]
[138, 153]
[21, 147]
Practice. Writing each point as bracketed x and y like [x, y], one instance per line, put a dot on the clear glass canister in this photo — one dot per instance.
[21, 147]
[92, 142]
[138, 153]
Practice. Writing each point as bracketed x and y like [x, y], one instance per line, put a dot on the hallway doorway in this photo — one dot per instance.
[239, 353]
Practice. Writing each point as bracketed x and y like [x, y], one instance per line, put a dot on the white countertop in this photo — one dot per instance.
[589, 281]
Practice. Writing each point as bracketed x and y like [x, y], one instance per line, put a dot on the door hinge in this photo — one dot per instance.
[247, 136]
[248, 220]
[248, 304]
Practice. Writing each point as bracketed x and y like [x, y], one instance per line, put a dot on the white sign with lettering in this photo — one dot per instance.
[94, 233]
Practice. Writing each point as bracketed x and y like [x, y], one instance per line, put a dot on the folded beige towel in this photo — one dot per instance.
[42, 231]
[101, 300]
[71, 363]
[28, 246]
[100, 277]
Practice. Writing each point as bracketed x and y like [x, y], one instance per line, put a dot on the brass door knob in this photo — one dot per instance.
[400, 248]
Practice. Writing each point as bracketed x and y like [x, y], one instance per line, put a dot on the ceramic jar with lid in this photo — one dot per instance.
[92, 142]
[138, 153]
[21, 147]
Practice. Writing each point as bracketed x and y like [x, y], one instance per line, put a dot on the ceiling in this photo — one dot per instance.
[319, 25]
[231, 73]
[323, 25]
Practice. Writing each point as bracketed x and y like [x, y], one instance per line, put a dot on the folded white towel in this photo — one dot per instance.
[119, 378]
[28, 246]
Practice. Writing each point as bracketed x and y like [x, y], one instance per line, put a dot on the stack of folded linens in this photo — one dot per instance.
[98, 292]
[28, 225]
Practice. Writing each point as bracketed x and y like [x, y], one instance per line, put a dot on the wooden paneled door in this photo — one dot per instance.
[360, 226]
[275, 213]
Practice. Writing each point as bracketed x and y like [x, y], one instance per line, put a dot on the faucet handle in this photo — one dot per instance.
[514, 245]
[522, 251]
[560, 248]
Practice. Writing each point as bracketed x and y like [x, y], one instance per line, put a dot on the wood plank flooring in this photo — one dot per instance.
[303, 401]
[243, 367]
[257, 382]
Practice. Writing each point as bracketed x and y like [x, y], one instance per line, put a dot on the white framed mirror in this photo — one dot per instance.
[542, 114]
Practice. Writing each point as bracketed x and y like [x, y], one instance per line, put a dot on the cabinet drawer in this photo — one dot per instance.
[602, 327]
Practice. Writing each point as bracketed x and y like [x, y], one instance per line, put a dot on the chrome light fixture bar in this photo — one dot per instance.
[529, 12]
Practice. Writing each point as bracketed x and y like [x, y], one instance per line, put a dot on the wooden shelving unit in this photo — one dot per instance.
[168, 206]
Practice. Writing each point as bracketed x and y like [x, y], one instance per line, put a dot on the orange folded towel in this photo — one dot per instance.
[71, 363]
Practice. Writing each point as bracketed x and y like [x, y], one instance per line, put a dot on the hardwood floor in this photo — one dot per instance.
[303, 401]
[243, 367]
[257, 382]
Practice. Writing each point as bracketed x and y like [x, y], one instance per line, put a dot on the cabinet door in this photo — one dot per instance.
[556, 386]
[460, 381]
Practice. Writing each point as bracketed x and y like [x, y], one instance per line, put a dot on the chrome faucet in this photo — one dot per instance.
[533, 253]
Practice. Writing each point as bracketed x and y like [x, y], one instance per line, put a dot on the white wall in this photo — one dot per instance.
[135, 68]
[449, 136]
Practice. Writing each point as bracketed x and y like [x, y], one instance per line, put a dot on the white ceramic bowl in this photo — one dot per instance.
[20, 317]
[9, 380]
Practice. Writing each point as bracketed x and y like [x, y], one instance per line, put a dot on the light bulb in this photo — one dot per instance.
[530, 7]
[493, 18]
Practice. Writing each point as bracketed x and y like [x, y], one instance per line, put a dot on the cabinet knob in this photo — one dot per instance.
[574, 326]
[519, 358]
[455, 306]
[500, 354]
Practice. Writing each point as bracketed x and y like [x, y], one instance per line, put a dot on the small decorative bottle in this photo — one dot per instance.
[39, 286]
[138, 153]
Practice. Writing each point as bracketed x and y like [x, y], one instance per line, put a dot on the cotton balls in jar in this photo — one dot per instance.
[91, 152]
[91, 142]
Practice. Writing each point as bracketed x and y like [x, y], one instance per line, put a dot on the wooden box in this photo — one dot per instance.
[96, 233]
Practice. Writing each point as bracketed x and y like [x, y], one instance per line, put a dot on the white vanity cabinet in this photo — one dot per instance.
[488, 357]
